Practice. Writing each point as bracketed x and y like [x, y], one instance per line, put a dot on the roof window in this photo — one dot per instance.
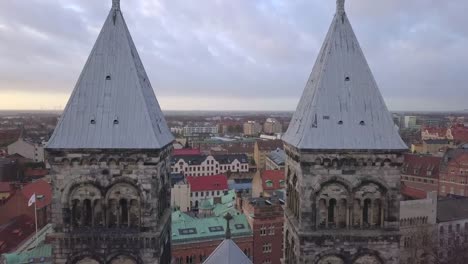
[93, 121]
[340, 122]
[347, 79]
[108, 78]
[362, 123]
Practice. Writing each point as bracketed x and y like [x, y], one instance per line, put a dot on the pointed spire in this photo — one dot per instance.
[116, 4]
[340, 6]
[228, 218]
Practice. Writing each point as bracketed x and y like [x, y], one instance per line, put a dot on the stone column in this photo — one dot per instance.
[92, 213]
[348, 208]
[129, 207]
[327, 203]
[82, 213]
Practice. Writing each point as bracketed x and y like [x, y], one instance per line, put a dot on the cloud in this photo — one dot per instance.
[257, 51]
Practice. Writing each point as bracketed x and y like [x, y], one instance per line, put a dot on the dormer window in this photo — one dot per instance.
[347, 79]
[108, 78]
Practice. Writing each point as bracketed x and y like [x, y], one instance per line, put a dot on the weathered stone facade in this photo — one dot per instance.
[342, 207]
[110, 206]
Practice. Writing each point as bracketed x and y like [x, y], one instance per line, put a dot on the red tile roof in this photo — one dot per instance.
[275, 176]
[418, 165]
[269, 145]
[440, 131]
[39, 187]
[186, 152]
[16, 231]
[36, 173]
[413, 192]
[208, 183]
[460, 133]
[5, 187]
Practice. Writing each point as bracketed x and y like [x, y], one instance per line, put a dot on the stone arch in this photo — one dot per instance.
[124, 258]
[86, 257]
[367, 258]
[332, 201]
[370, 203]
[87, 260]
[331, 257]
[124, 203]
[80, 200]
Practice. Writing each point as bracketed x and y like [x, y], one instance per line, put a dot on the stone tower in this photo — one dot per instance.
[343, 160]
[110, 159]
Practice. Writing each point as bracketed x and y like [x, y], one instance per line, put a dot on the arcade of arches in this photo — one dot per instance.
[364, 259]
[339, 208]
[118, 207]
[117, 260]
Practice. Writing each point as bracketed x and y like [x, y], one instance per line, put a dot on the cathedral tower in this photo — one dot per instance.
[110, 159]
[343, 160]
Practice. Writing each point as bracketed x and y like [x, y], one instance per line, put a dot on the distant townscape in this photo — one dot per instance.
[113, 179]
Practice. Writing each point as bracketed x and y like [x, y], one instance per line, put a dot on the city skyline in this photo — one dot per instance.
[252, 55]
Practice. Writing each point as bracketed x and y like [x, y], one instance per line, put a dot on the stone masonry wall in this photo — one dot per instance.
[102, 179]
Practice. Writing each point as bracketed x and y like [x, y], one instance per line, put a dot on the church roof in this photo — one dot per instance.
[341, 107]
[227, 253]
[113, 105]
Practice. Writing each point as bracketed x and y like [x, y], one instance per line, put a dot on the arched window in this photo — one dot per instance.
[331, 212]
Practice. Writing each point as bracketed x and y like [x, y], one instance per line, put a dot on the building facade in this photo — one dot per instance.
[343, 162]
[195, 130]
[421, 172]
[30, 150]
[262, 149]
[205, 165]
[252, 128]
[109, 159]
[266, 219]
[454, 172]
[418, 229]
[272, 126]
[194, 239]
[207, 187]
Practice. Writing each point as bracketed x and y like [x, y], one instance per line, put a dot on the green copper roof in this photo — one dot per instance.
[187, 229]
[206, 204]
[41, 254]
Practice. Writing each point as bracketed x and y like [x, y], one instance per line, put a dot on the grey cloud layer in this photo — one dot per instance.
[242, 48]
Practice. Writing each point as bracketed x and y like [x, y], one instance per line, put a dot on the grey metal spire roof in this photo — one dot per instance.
[341, 107]
[113, 105]
[227, 253]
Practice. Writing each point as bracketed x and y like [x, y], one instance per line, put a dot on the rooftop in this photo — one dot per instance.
[113, 105]
[208, 183]
[341, 107]
[188, 229]
[278, 156]
[269, 145]
[421, 165]
[272, 179]
[227, 253]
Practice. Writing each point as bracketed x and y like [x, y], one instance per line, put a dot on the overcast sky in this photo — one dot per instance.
[236, 54]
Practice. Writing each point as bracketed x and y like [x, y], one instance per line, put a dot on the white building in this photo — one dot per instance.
[193, 130]
[180, 196]
[417, 228]
[27, 149]
[205, 188]
[204, 165]
[410, 121]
